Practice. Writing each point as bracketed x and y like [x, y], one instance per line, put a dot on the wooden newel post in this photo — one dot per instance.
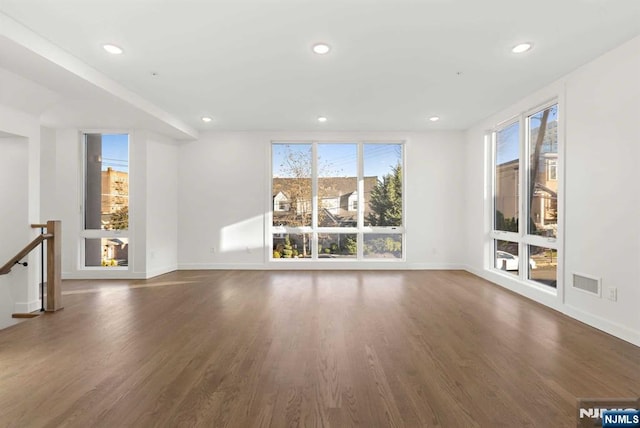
[54, 266]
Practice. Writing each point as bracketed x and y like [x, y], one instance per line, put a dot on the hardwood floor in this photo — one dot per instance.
[280, 349]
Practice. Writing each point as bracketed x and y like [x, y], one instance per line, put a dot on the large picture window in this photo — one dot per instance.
[340, 201]
[525, 196]
[106, 200]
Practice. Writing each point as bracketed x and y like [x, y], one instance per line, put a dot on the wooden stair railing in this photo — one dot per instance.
[54, 262]
[26, 250]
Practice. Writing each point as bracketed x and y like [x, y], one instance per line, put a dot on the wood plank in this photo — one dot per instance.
[27, 315]
[54, 266]
[335, 349]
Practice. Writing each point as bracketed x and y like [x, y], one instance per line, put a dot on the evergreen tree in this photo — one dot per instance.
[120, 219]
[386, 200]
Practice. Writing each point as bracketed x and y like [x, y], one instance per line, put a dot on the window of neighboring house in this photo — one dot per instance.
[106, 200]
[525, 222]
[326, 220]
[354, 205]
[552, 169]
[281, 206]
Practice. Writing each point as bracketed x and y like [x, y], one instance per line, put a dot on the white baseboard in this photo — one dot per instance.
[27, 307]
[160, 271]
[553, 302]
[614, 329]
[537, 294]
[7, 321]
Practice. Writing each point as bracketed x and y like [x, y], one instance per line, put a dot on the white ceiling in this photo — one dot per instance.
[394, 63]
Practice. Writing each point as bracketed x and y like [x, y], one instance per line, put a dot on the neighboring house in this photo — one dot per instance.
[544, 206]
[507, 189]
[281, 202]
[338, 200]
[115, 196]
[116, 249]
[352, 201]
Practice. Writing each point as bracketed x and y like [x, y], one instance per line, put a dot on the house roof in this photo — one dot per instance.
[329, 187]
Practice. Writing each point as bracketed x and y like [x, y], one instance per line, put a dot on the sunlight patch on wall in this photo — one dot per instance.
[243, 235]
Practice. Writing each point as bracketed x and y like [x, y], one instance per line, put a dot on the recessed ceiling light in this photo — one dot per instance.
[434, 118]
[322, 119]
[522, 47]
[113, 49]
[206, 119]
[321, 48]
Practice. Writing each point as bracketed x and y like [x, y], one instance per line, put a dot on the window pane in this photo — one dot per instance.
[382, 246]
[543, 265]
[383, 184]
[506, 256]
[107, 182]
[337, 245]
[543, 184]
[107, 252]
[291, 246]
[506, 178]
[291, 166]
[337, 185]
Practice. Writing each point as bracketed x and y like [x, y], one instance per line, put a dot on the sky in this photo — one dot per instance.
[341, 160]
[508, 146]
[115, 152]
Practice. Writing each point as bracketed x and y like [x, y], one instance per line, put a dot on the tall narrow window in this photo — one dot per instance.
[507, 178]
[542, 196]
[292, 196]
[525, 196]
[106, 200]
[383, 211]
[340, 201]
[543, 192]
[337, 184]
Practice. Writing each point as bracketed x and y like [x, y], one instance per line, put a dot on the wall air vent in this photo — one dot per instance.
[588, 284]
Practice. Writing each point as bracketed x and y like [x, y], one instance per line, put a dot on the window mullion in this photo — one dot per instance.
[314, 200]
[523, 193]
[361, 197]
[494, 179]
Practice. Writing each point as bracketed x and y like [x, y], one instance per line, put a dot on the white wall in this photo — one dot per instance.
[48, 187]
[19, 207]
[137, 232]
[61, 171]
[13, 227]
[224, 199]
[162, 205]
[599, 109]
[603, 184]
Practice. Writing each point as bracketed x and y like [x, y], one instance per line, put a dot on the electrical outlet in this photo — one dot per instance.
[613, 294]
[212, 250]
